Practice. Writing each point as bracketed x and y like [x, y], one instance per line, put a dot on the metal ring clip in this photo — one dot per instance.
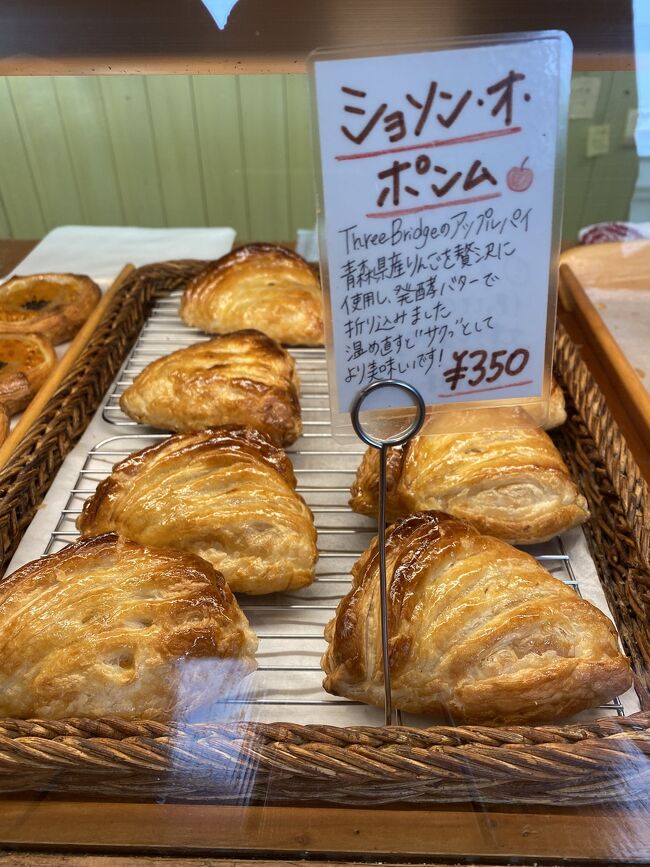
[397, 439]
[383, 445]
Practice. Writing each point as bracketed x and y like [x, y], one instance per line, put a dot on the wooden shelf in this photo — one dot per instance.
[71, 37]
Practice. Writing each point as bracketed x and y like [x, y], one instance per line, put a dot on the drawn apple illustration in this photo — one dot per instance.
[519, 178]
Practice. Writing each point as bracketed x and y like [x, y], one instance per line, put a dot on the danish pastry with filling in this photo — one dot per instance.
[54, 305]
[26, 360]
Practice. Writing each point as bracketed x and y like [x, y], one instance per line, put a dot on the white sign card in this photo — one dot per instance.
[440, 208]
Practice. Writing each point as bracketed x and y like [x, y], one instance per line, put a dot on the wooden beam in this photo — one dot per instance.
[38, 37]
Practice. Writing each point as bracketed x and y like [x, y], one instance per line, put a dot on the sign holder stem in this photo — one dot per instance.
[383, 445]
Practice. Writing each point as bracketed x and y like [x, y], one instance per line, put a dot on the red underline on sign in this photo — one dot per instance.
[483, 390]
[453, 203]
[436, 143]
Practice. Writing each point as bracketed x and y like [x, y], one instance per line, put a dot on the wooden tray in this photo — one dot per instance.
[615, 265]
[280, 763]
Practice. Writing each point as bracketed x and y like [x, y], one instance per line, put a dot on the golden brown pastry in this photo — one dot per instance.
[259, 286]
[107, 627]
[243, 378]
[227, 495]
[479, 631]
[26, 361]
[55, 305]
[511, 483]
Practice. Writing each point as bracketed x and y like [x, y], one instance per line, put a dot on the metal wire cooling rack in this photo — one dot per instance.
[287, 684]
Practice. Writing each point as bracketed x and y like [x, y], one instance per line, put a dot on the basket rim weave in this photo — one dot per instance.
[280, 762]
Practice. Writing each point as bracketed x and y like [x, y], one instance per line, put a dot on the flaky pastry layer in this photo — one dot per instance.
[227, 495]
[243, 378]
[510, 483]
[109, 627]
[479, 631]
[260, 286]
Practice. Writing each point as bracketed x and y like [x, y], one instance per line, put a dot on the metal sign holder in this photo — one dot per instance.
[383, 445]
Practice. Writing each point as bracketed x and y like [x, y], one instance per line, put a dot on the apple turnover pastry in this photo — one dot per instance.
[108, 627]
[54, 305]
[26, 360]
[479, 631]
[243, 378]
[510, 483]
[259, 286]
[227, 495]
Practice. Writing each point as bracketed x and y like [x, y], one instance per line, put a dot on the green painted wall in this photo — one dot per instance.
[600, 188]
[216, 150]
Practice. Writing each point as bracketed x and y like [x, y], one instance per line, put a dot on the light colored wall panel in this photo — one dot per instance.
[216, 150]
[613, 176]
[24, 216]
[300, 168]
[264, 134]
[47, 149]
[84, 120]
[580, 168]
[5, 228]
[131, 136]
[176, 145]
[218, 124]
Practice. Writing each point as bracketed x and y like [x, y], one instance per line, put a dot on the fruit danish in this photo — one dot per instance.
[26, 360]
[54, 305]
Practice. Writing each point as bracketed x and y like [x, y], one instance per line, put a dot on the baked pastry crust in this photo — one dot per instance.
[510, 483]
[26, 361]
[54, 305]
[243, 378]
[227, 495]
[261, 286]
[479, 631]
[108, 627]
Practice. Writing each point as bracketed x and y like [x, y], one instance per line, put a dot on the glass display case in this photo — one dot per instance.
[163, 677]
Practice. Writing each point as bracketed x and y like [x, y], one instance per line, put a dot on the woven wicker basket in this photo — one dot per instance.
[248, 763]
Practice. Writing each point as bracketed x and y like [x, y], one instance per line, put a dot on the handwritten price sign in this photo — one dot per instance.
[440, 203]
[473, 367]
